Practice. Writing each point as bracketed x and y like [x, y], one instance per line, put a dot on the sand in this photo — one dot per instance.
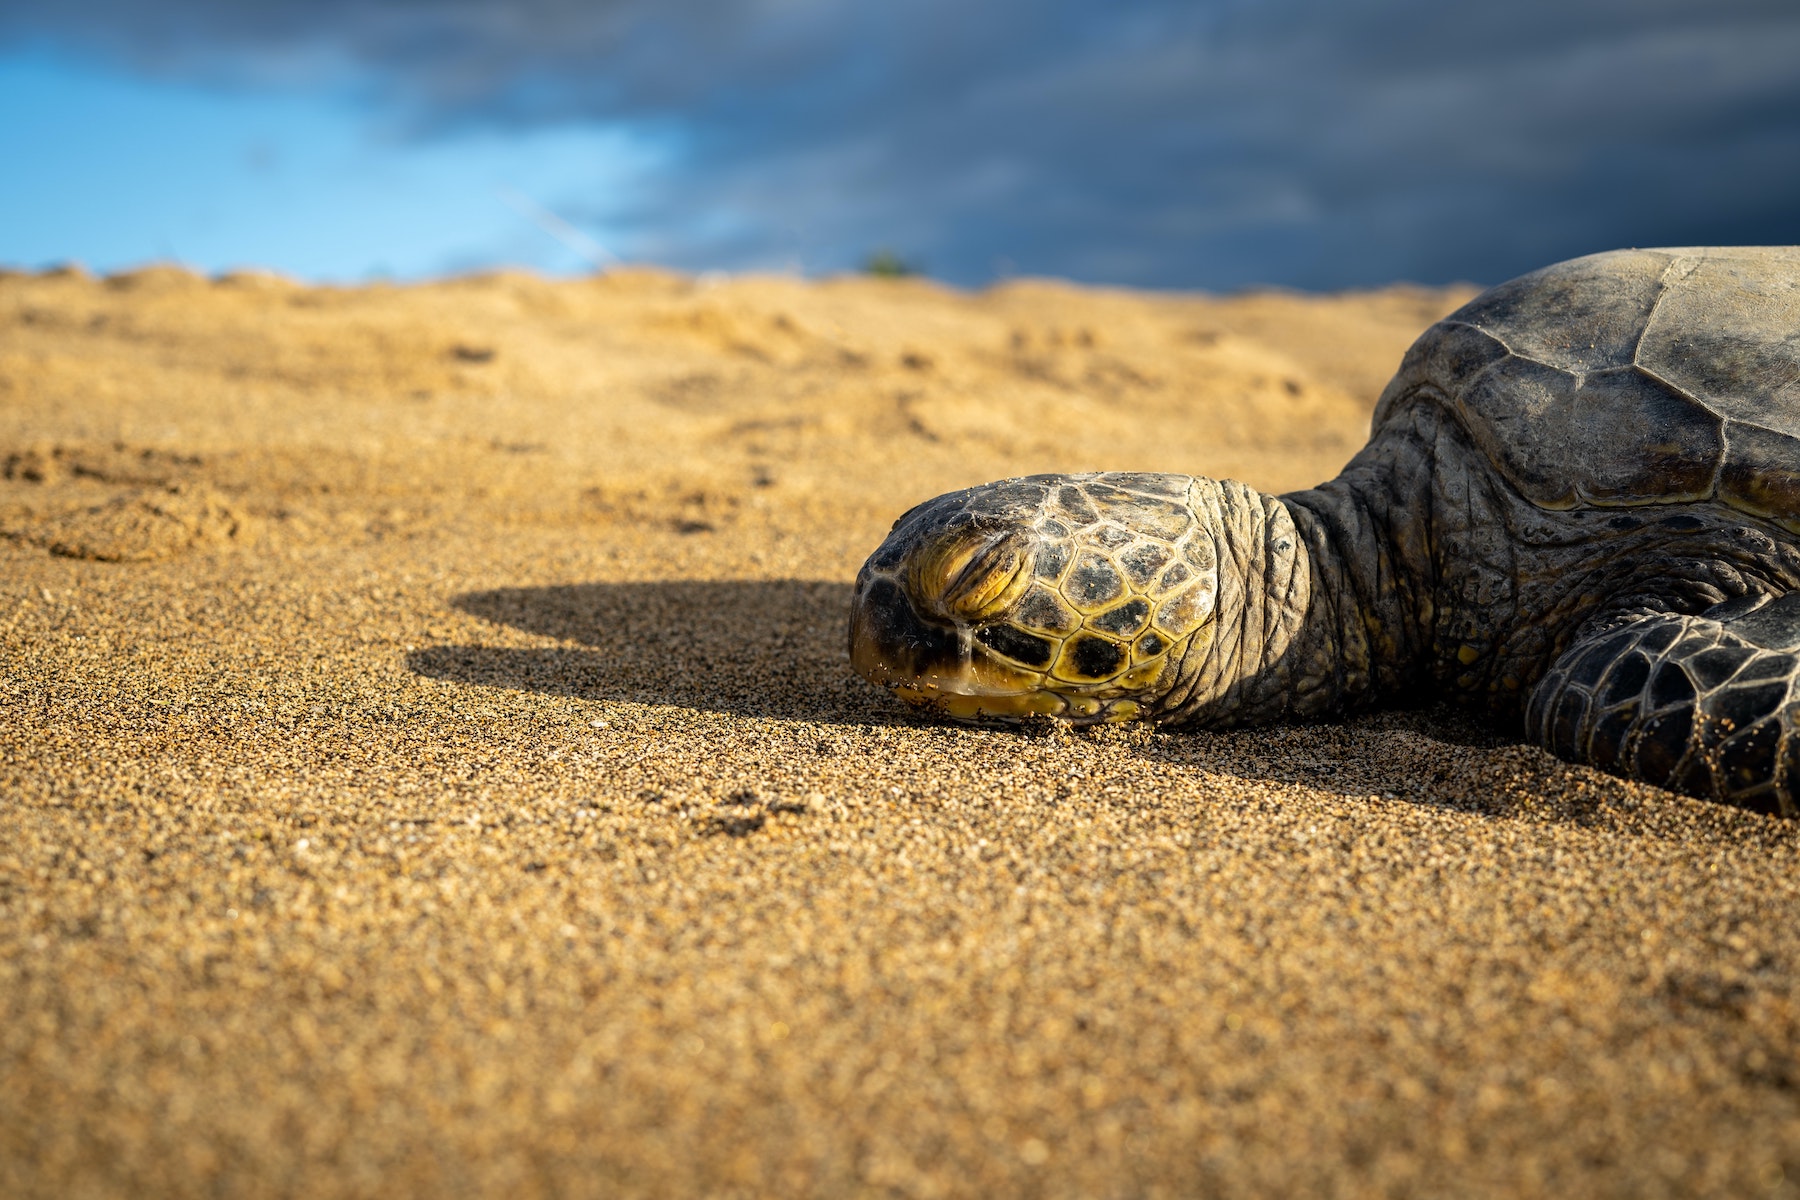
[429, 766]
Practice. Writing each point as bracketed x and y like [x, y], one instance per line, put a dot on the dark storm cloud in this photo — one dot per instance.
[1317, 143]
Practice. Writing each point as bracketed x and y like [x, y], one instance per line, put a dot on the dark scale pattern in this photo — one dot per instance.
[1710, 668]
[1672, 687]
[1747, 759]
[1124, 620]
[1609, 735]
[1017, 496]
[1697, 704]
[1626, 680]
[1096, 658]
[1764, 666]
[1050, 561]
[1016, 644]
[1041, 609]
[1094, 581]
[1591, 665]
[1660, 748]
[1174, 486]
[1074, 508]
[1142, 562]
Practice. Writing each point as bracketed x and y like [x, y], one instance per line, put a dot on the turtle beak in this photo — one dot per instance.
[931, 660]
[910, 629]
[891, 645]
[932, 665]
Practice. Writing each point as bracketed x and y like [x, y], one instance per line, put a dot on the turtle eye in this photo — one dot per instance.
[974, 577]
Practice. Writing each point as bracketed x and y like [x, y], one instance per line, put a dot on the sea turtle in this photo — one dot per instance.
[1578, 510]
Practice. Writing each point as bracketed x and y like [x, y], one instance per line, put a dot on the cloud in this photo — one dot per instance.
[1210, 143]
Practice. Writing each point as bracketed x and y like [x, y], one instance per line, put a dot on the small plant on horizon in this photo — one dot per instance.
[885, 264]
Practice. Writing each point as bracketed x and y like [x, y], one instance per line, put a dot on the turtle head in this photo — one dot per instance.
[1065, 596]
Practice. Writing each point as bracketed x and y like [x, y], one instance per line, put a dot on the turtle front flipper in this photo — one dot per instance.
[1704, 705]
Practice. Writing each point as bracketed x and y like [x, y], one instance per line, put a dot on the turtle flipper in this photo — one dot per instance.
[1704, 705]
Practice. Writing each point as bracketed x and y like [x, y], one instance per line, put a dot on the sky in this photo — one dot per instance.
[1212, 144]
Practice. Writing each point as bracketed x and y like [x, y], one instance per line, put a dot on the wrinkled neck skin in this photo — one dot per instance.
[1313, 616]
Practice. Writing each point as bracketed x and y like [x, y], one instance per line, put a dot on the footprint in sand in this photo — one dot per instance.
[141, 525]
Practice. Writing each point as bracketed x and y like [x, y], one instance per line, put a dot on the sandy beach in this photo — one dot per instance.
[429, 766]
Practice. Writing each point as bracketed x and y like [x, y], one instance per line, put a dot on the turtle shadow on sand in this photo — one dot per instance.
[775, 648]
[1442, 757]
[1434, 755]
[759, 648]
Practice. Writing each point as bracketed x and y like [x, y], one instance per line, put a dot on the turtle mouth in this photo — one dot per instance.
[936, 663]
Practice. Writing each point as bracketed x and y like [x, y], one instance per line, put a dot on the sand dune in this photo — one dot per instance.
[429, 766]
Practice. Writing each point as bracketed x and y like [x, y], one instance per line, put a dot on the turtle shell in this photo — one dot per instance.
[1629, 378]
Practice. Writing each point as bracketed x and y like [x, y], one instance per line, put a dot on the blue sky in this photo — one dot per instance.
[1165, 143]
[117, 169]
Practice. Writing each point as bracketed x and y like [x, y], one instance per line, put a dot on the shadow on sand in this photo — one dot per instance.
[776, 649]
[762, 649]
